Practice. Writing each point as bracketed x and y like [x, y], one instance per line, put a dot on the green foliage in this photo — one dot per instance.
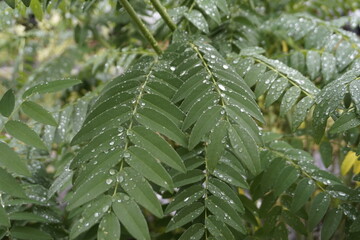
[235, 126]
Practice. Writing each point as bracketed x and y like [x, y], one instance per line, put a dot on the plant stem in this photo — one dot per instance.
[149, 37]
[165, 16]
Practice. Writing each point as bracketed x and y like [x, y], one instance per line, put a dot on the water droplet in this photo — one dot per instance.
[109, 181]
[225, 66]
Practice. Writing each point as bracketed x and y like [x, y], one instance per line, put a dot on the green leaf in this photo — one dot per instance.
[7, 103]
[185, 197]
[354, 88]
[130, 215]
[109, 228]
[195, 232]
[303, 191]
[289, 99]
[331, 223]
[224, 212]
[313, 62]
[26, 2]
[90, 188]
[53, 86]
[163, 106]
[59, 182]
[196, 18]
[326, 153]
[38, 113]
[287, 176]
[189, 177]
[300, 111]
[138, 188]
[148, 166]
[198, 108]
[297, 61]
[12, 162]
[276, 89]
[243, 147]
[328, 66]
[218, 228]
[272, 173]
[92, 213]
[254, 74]
[10, 3]
[318, 209]
[209, 7]
[345, 122]
[216, 147]
[160, 123]
[10, 185]
[24, 133]
[29, 233]
[230, 175]
[293, 221]
[4, 219]
[223, 6]
[36, 8]
[109, 119]
[185, 215]
[205, 123]
[157, 147]
[264, 82]
[223, 191]
[28, 216]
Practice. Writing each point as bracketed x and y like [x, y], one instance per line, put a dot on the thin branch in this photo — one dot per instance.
[147, 34]
[163, 13]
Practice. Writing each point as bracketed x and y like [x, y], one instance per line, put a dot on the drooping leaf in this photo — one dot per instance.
[29, 233]
[92, 213]
[218, 228]
[289, 99]
[91, 188]
[300, 111]
[216, 147]
[138, 188]
[224, 212]
[223, 191]
[331, 222]
[209, 7]
[195, 232]
[276, 89]
[10, 185]
[7, 103]
[24, 133]
[185, 215]
[287, 176]
[130, 215]
[147, 165]
[196, 18]
[293, 221]
[185, 197]
[313, 63]
[11, 161]
[52, 86]
[318, 209]
[160, 123]
[326, 153]
[345, 122]
[38, 113]
[109, 228]
[354, 88]
[4, 219]
[303, 191]
[204, 124]
[157, 147]
[243, 147]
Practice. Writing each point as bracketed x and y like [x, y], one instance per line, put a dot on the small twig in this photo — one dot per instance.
[149, 37]
[165, 16]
